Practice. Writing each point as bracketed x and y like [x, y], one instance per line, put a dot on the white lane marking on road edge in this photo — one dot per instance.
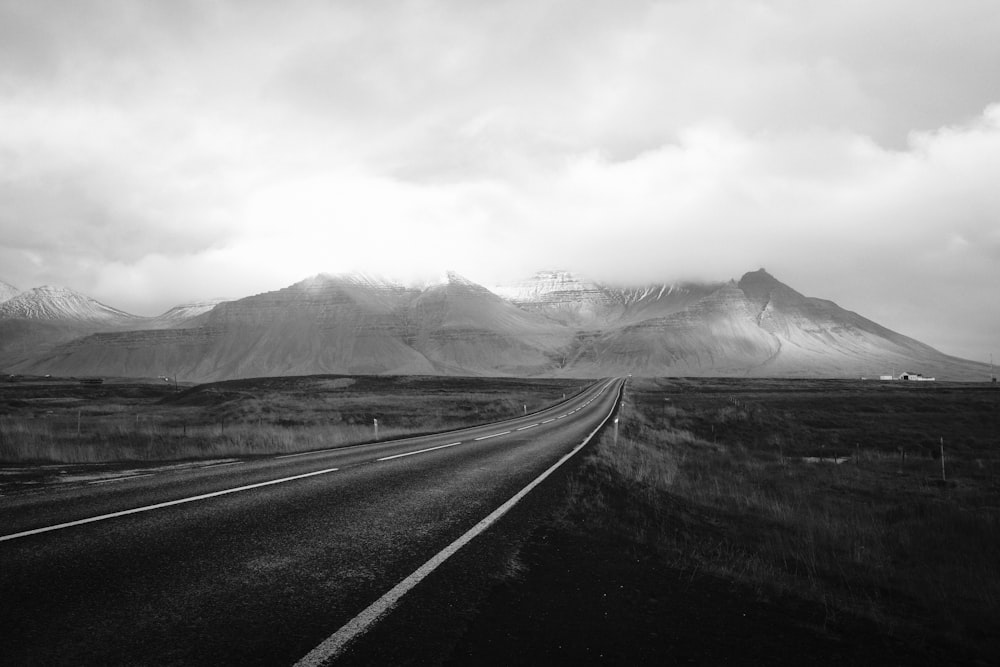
[525, 428]
[219, 465]
[419, 451]
[492, 435]
[147, 508]
[334, 645]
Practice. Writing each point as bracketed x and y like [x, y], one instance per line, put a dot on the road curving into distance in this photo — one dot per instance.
[264, 561]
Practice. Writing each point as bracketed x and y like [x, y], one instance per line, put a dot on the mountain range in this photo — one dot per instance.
[553, 323]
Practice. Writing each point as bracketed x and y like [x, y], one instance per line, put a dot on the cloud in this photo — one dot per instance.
[151, 150]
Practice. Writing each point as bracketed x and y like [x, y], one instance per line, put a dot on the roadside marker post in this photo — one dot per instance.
[375, 421]
[616, 431]
[943, 478]
[334, 645]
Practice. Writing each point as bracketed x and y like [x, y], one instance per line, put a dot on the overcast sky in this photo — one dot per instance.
[159, 152]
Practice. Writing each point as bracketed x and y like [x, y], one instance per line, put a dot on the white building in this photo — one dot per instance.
[915, 377]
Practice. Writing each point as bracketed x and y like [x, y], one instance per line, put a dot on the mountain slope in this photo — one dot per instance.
[34, 321]
[554, 323]
[61, 304]
[463, 327]
[716, 335]
[182, 316]
[562, 297]
[574, 301]
[326, 324]
[762, 327]
[7, 291]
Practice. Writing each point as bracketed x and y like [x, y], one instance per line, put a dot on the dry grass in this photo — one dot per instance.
[32, 441]
[62, 422]
[878, 537]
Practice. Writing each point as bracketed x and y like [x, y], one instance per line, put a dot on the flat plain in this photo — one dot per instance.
[55, 430]
[768, 522]
[750, 521]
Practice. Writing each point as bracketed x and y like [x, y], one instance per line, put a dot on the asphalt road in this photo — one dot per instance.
[258, 561]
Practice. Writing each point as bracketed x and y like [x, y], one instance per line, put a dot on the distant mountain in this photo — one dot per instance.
[462, 327]
[61, 304]
[34, 321]
[553, 323]
[181, 316]
[761, 327]
[7, 291]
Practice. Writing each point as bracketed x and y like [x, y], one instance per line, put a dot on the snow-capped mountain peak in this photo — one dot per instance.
[7, 291]
[53, 303]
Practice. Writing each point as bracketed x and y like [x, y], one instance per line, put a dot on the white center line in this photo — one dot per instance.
[548, 420]
[492, 435]
[219, 465]
[147, 508]
[119, 479]
[525, 428]
[419, 451]
[560, 416]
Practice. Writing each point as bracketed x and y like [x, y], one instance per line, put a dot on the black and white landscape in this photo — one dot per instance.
[550, 324]
[246, 417]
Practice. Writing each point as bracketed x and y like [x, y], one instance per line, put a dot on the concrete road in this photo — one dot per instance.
[257, 561]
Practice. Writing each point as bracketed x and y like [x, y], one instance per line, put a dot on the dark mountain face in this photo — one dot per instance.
[553, 323]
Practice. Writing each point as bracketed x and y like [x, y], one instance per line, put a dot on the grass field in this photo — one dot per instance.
[738, 479]
[831, 492]
[53, 421]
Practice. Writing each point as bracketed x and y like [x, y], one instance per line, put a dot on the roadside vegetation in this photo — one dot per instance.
[739, 479]
[54, 421]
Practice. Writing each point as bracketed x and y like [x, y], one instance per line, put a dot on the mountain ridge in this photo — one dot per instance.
[553, 323]
[7, 291]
